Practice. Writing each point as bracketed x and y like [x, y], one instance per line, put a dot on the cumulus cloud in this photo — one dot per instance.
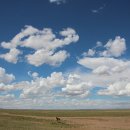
[11, 56]
[101, 70]
[6, 87]
[33, 74]
[91, 52]
[106, 70]
[113, 48]
[44, 44]
[44, 57]
[117, 89]
[4, 77]
[28, 31]
[10, 101]
[39, 86]
[7, 97]
[71, 85]
[75, 86]
[37, 89]
[104, 64]
[72, 90]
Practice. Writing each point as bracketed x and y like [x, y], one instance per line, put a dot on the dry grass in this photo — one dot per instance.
[70, 120]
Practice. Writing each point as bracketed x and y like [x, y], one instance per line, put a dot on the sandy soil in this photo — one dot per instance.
[101, 123]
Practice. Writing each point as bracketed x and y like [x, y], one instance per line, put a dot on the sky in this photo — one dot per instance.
[65, 54]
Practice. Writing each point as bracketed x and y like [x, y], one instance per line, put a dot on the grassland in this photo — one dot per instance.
[70, 119]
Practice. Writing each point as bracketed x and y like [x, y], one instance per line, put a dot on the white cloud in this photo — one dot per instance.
[37, 87]
[65, 90]
[71, 85]
[112, 63]
[6, 87]
[28, 31]
[46, 39]
[57, 1]
[69, 89]
[4, 77]
[75, 86]
[43, 57]
[33, 74]
[106, 71]
[7, 97]
[101, 70]
[9, 101]
[117, 89]
[43, 42]
[90, 52]
[115, 47]
[11, 56]
[41, 87]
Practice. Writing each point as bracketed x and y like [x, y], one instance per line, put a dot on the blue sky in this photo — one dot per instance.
[67, 54]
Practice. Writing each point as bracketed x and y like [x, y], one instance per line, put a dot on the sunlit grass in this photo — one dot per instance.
[70, 113]
[38, 119]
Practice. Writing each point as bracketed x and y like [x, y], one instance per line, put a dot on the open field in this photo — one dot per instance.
[70, 120]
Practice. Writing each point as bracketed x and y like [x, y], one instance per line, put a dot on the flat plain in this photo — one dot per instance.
[70, 119]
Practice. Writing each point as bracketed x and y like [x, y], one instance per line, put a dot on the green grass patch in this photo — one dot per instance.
[70, 113]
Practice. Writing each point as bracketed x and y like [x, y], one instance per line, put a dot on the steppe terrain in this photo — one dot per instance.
[70, 119]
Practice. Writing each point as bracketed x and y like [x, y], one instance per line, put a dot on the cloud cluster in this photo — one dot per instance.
[4, 77]
[104, 65]
[70, 85]
[56, 90]
[106, 70]
[76, 86]
[113, 48]
[117, 89]
[11, 56]
[53, 91]
[43, 43]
